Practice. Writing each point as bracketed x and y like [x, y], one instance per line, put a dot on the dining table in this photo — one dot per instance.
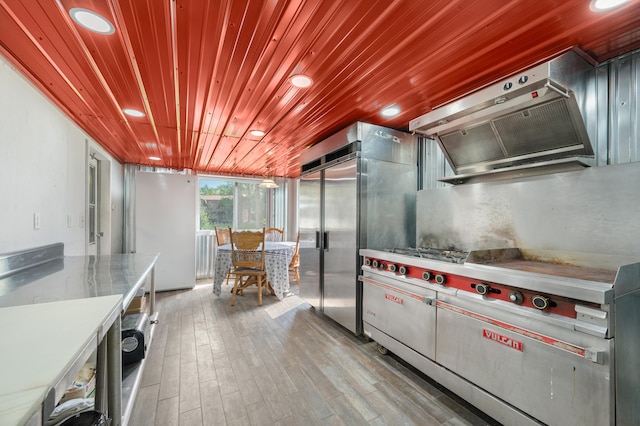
[277, 256]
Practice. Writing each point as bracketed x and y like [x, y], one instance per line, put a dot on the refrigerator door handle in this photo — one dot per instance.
[317, 240]
[326, 241]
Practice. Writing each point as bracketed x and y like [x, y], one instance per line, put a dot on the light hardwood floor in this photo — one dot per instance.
[277, 364]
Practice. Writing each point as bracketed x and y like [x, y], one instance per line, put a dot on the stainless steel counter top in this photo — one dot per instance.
[78, 277]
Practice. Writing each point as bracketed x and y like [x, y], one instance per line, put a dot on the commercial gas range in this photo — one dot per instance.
[528, 340]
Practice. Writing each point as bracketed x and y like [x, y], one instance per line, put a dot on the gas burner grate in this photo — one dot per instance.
[453, 256]
[443, 255]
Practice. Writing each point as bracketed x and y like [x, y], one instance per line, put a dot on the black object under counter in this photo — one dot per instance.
[79, 277]
[134, 337]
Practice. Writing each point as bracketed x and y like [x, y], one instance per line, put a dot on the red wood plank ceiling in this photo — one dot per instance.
[206, 72]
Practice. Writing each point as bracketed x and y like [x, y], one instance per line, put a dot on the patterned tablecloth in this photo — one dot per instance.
[277, 257]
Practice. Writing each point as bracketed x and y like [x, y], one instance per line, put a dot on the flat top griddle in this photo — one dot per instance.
[561, 270]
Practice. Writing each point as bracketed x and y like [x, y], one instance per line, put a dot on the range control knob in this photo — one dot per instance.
[441, 279]
[426, 275]
[375, 263]
[540, 302]
[367, 262]
[392, 268]
[516, 297]
[482, 288]
[383, 266]
[403, 270]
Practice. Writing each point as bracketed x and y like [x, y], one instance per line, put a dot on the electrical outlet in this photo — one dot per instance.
[69, 224]
[36, 221]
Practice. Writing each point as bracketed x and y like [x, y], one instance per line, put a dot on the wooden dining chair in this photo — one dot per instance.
[223, 237]
[294, 265]
[247, 256]
[274, 234]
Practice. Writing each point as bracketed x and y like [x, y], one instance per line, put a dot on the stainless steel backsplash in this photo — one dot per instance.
[593, 211]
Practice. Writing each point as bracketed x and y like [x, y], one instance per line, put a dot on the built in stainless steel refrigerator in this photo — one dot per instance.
[357, 190]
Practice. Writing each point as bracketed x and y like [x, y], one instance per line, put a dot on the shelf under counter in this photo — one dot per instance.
[132, 374]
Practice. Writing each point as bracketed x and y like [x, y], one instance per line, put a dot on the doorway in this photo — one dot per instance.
[93, 211]
[98, 208]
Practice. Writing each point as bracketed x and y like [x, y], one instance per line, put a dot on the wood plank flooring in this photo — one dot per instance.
[277, 364]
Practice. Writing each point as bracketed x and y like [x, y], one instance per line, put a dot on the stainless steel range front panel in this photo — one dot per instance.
[310, 228]
[339, 243]
[537, 372]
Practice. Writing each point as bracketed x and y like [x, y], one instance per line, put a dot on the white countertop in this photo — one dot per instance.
[41, 346]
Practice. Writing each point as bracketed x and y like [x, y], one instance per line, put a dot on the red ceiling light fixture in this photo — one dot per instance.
[257, 133]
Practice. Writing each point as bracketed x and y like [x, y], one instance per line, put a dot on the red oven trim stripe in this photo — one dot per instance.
[561, 305]
[577, 350]
[389, 287]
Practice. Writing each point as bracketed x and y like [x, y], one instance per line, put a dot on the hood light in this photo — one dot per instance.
[133, 112]
[154, 158]
[390, 111]
[91, 21]
[602, 5]
[301, 80]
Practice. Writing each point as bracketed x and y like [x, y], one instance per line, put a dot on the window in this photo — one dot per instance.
[216, 204]
[235, 203]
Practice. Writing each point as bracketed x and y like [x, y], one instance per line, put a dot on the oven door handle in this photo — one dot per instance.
[428, 300]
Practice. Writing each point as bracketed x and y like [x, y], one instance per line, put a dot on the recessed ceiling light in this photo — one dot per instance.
[155, 158]
[301, 80]
[600, 5]
[258, 133]
[92, 21]
[133, 112]
[390, 111]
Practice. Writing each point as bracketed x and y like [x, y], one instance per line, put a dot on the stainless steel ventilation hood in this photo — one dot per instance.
[529, 123]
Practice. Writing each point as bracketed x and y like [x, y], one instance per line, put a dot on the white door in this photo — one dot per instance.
[166, 223]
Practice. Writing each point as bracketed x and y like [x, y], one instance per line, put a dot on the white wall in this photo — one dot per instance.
[43, 169]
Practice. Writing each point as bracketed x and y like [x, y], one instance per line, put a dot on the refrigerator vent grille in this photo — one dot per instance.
[345, 152]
